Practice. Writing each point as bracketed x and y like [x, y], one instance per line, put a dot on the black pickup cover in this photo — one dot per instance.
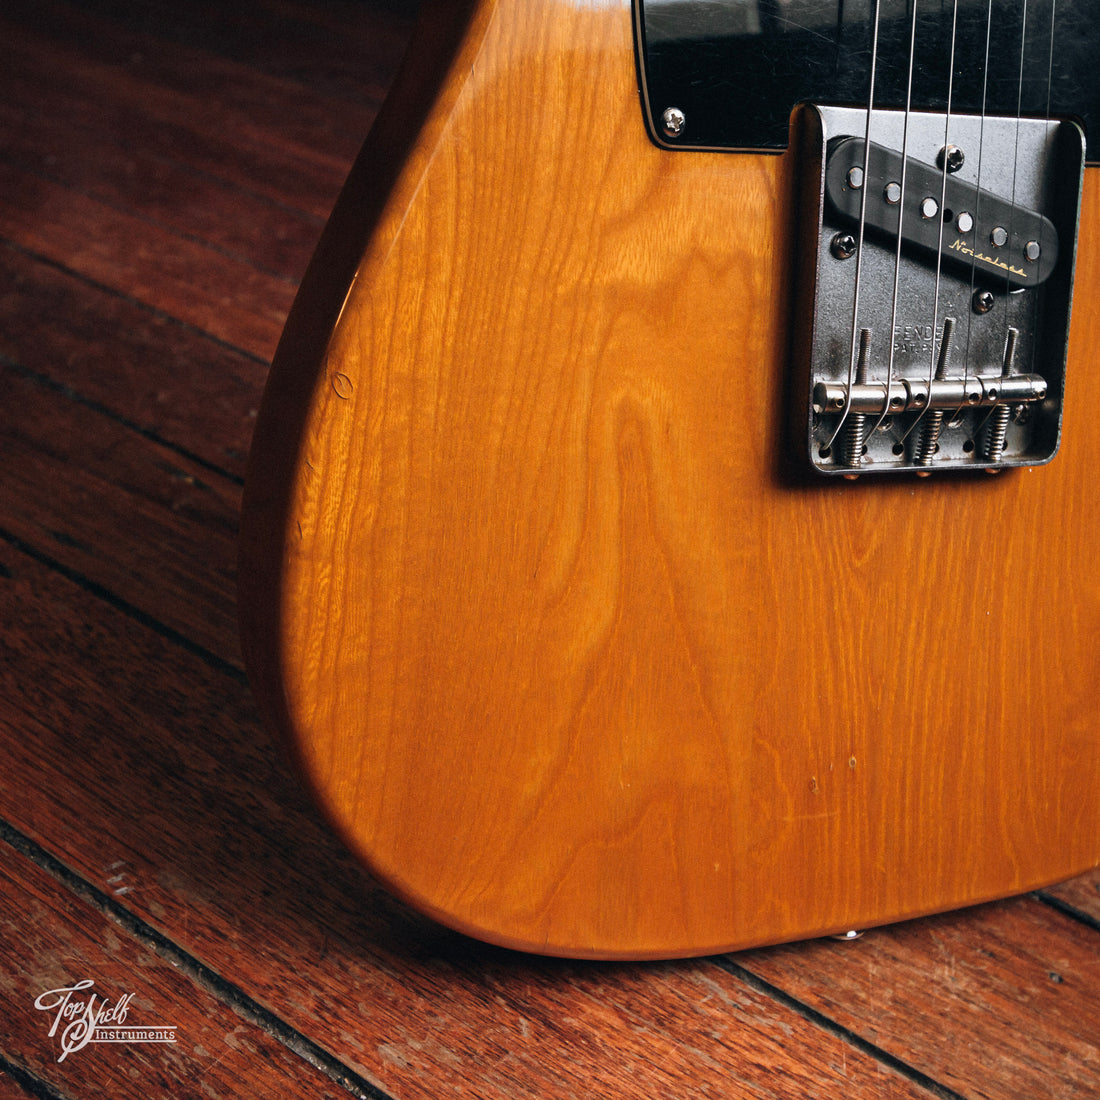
[1004, 263]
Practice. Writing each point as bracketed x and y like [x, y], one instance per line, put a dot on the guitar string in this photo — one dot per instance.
[1016, 146]
[943, 198]
[1015, 162]
[902, 183]
[852, 351]
[981, 425]
[977, 196]
[1040, 187]
[932, 357]
[1041, 184]
[1047, 114]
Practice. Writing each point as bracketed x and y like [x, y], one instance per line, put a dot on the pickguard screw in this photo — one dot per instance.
[674, 121]
[843, 246]
[983, 301]
[951, 157]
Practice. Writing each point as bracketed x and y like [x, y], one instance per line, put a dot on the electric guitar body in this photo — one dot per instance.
[587, 562]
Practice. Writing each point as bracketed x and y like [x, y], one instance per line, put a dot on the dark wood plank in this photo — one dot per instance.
[272, 137]
[199, 830]
[224, 296]
[210, 219]
[50, 941]
[156, 373]
[101, 163]
[135, 517]
[343, 49]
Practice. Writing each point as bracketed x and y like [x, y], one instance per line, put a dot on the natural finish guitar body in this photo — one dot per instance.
[572, 655]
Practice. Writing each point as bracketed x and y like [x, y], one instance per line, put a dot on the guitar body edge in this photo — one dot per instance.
[567, 654]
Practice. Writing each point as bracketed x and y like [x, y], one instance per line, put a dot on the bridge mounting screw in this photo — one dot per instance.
[983, 301]
[673, 121]
[843, 246]
[951, 157]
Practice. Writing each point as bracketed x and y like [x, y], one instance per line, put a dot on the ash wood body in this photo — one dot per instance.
[567, 655]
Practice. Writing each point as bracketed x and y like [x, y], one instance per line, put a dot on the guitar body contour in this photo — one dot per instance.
[572, 656]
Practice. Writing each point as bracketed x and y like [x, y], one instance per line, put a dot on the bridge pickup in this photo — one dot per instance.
[1005, 244]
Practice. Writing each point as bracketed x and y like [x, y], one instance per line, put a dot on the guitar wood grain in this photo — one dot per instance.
[570, 657]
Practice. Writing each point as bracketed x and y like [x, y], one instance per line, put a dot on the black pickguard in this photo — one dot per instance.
[736, 68]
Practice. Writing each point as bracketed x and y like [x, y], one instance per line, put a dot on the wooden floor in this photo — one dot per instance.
[165, 169]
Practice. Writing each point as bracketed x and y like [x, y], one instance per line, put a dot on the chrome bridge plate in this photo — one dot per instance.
[939, 255]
